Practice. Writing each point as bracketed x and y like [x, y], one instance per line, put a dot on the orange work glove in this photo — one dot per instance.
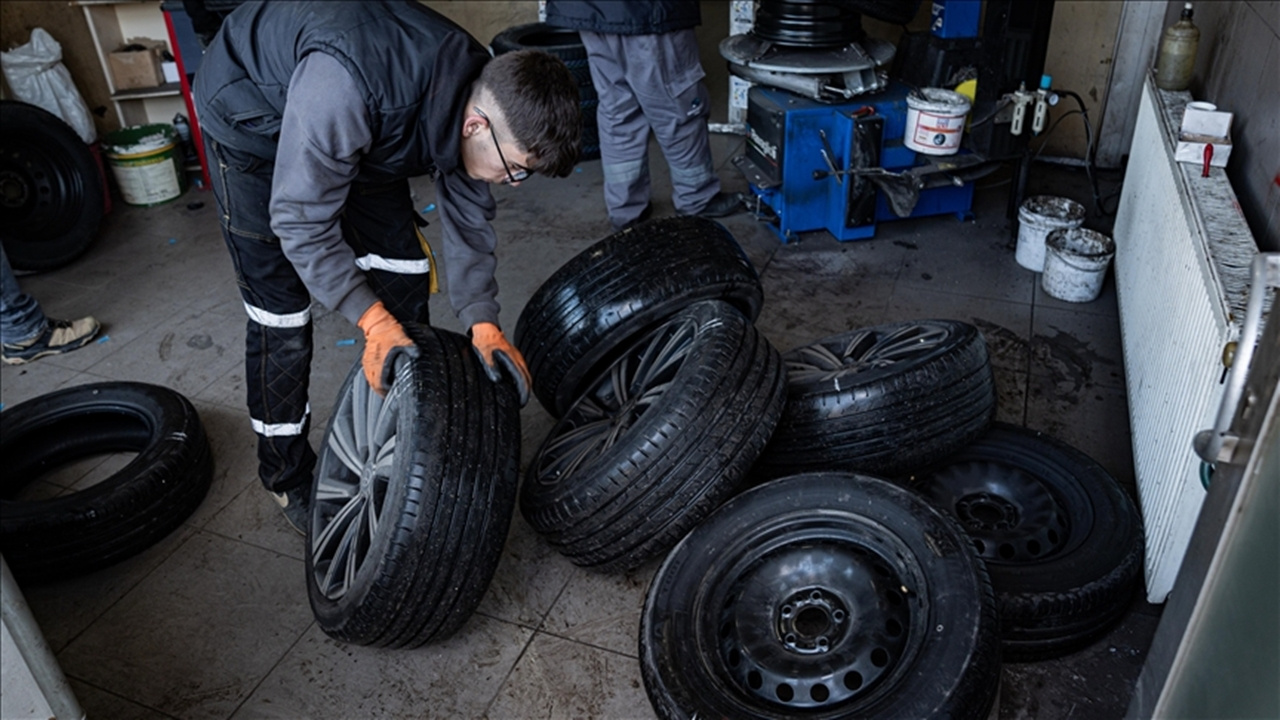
[496, 353]
[383, 338]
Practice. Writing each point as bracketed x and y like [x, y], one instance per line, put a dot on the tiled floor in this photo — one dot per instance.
[213, 621]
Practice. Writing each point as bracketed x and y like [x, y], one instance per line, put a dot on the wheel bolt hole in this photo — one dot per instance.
[823, 643]
[785, 693]
[819, 693]
[879, 657]
[754, 680]
[837, 616]
[893, 627]
[1006, 551]
[853, 680]
[981, 546]
[790, 638]
[815, 595]
[787, 610]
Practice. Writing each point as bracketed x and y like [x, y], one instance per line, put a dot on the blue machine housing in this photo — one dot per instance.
[785, 167]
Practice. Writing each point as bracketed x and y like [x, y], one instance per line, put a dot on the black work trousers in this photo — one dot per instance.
[379, 223]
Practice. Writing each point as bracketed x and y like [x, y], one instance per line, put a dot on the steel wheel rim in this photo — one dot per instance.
[863, 351]
[1010, 515]
[39, 190]
[354, 481]
[615, 402]
[813, 614]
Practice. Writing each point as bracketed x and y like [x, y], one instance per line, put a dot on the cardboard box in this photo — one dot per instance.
[1204, 125]
[137, 64]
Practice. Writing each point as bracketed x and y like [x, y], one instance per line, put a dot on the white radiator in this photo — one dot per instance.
[1182, 273]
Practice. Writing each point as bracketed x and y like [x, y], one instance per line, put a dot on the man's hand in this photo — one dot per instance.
[382, 335]
[495, 352]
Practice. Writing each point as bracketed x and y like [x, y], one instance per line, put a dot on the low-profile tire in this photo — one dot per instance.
[82, 531]
[619, 287]
[663, 437]
[51, 196]
[823, 595]
[1062, 540]
[413, 497]
[884, 400]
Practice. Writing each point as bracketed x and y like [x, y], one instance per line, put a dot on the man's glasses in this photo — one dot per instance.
[512, 177]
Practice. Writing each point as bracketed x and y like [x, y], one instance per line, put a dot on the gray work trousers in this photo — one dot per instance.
[651, 82]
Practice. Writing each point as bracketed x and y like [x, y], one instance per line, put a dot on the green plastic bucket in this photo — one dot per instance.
[145, 162]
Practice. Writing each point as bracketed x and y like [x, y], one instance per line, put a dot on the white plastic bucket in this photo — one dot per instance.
[935, 121]
[1075, 263]
[1037, 217]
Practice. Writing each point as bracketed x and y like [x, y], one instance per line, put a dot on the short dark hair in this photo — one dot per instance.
[538, 97]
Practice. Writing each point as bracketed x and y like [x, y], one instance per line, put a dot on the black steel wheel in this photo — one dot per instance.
[663, 436]
[826, 595]
[51, 196]
[885, 399]
[602, 298]
[413, 497]
[124, 514]
[1062, 540]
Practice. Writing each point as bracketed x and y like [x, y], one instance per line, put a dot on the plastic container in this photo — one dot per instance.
[1176, 59]
[935, 121]
[146, 163]
[1075, 264]
[1038, 216]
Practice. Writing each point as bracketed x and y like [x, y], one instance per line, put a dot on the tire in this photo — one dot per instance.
[619, 287]
[117, 518]
[51, 193]
[435, 466]
[659, 441]
[897, 12]
[1062, 540]
[824, 595]
[560, 42]
[883, 400]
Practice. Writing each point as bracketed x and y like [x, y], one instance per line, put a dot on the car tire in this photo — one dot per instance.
[664, 436]
[128, 512]
[51, 192]
[883, 400]
[413, 497]
[822, 595]
[1062, 540]
[619, 287]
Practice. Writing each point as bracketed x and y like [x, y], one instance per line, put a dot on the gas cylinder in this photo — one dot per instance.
[1177, 57]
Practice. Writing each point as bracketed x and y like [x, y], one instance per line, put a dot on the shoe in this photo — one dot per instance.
[722, 204]
[296, 505]
[59, 336]
[644, 215]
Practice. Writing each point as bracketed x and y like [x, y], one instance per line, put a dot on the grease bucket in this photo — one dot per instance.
[1038, 216]
[1075, 263]
[146, 163]
[935, 121]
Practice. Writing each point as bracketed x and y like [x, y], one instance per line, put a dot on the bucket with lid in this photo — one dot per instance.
[1075, 263]
[935, 121]
[1037, 217]
[146, 163]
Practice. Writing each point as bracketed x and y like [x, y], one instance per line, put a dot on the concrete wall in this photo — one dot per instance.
[1079, 58]
[66, 23]
[1236, 69]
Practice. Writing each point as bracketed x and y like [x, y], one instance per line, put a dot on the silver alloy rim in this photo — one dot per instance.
[865, 350]
[353, 480]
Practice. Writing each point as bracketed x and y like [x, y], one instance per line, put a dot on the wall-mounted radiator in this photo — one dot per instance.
[1182, 273]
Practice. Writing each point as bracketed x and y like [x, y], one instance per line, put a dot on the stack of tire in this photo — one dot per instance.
[566, 45]
[643, 346]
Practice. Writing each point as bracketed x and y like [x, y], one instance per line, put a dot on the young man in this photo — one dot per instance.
[645, 69]
[316, 114]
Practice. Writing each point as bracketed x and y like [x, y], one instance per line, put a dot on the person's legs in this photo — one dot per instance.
[623, 130]
[666, 75]
[379, 224]
[278, 331]
[21, 318]
[25, 333]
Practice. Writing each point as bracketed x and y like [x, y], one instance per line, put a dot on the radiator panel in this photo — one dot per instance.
[1181, 277]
